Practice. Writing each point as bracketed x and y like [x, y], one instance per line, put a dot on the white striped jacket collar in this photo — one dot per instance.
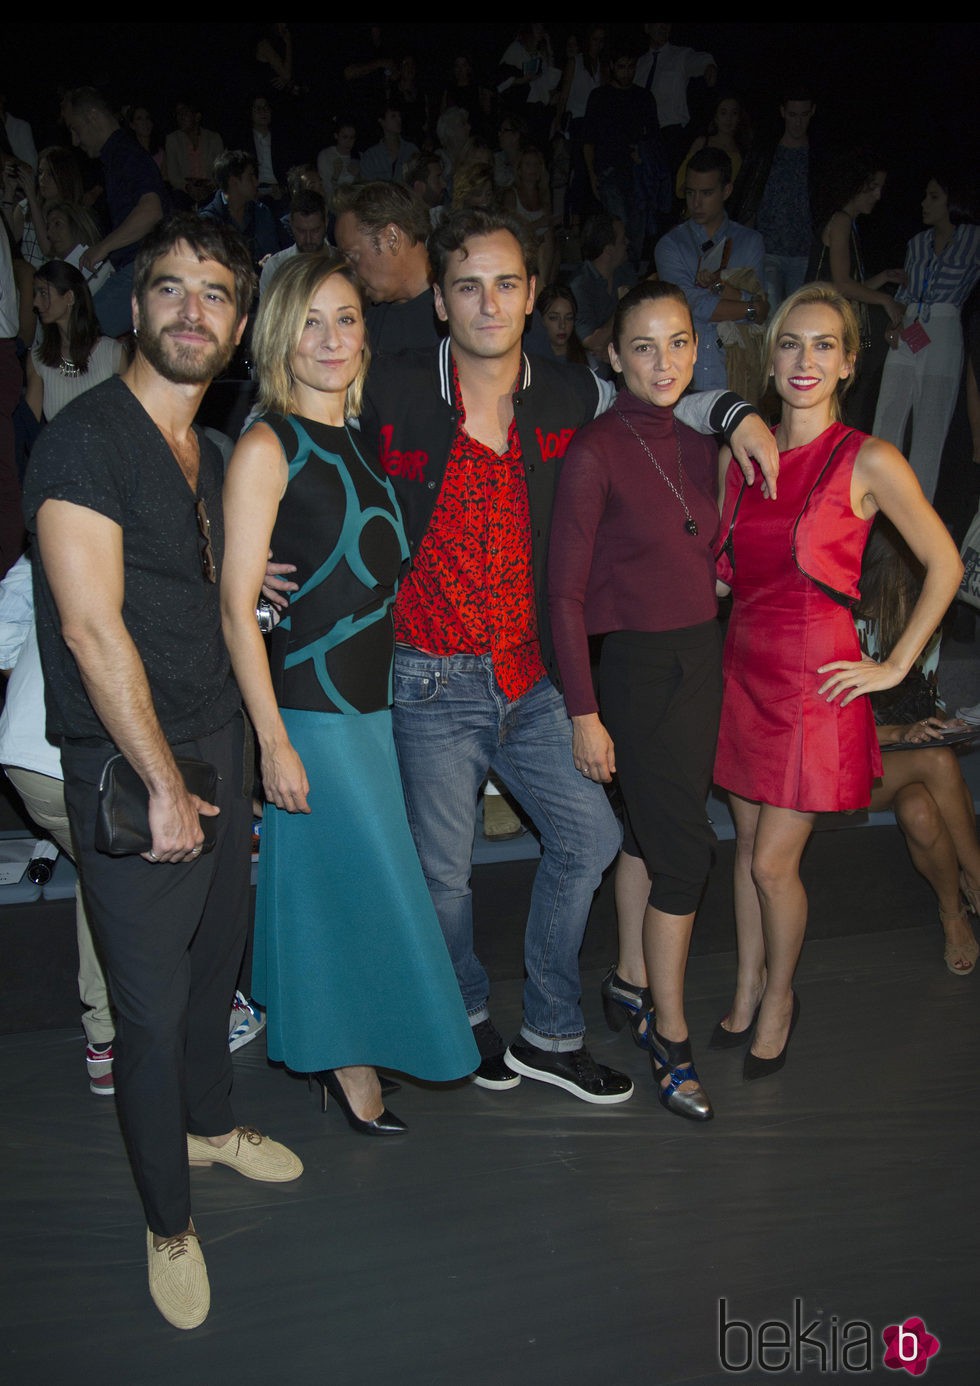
[446, 372]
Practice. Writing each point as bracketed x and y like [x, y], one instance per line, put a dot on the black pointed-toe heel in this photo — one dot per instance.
[625, 1004]
[755, 1067]
[674, 1057]
[387, 1124]
[732, 1039]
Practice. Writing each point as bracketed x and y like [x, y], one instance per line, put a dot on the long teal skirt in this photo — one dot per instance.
[349, 957]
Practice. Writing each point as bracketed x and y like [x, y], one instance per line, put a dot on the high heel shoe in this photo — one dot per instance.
[960, 958]
[387, 1124]
[674, 1057]
[971, 896]
[756, 1067]
[732, 1039]
[623, 1003]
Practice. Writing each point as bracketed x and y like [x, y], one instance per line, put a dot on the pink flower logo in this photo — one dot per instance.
[909, 1346]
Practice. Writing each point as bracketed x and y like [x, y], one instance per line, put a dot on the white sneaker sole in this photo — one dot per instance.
[511, 1082]
[555, 1079]
[236, 1042]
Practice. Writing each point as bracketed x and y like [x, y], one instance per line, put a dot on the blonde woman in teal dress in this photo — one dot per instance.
[349, 957]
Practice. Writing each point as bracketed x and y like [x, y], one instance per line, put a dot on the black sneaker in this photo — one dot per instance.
[493, 1071]
[575, 1070]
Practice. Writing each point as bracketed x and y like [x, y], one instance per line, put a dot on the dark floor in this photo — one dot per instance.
[526, 1238]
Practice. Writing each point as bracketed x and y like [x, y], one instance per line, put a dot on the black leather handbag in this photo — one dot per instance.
[122, 828]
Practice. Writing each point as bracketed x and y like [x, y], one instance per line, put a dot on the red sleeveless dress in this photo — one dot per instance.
[781, 743]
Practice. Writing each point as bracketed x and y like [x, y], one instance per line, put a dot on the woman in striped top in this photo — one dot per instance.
[925, 363]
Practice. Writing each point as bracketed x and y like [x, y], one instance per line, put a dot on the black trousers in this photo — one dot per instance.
[661, 700]
[172, 937]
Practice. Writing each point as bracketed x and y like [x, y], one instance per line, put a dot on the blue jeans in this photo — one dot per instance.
[452, 725]
[618, 196]
[784, 275]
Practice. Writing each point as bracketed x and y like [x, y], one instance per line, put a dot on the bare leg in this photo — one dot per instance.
[666, 941]
[751, 979]
[781, 835]
[632, 893]
[930, 838]
[930, 845]
[939, 771]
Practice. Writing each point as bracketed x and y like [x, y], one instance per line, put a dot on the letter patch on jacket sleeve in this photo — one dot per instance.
[410, 465]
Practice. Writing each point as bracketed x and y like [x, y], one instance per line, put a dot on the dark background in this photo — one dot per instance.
[909, 89]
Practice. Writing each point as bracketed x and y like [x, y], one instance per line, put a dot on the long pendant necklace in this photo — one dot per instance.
[690, 523]
[68, 369]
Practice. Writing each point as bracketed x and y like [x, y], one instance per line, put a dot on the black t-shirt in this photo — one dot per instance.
[129, 174]
[394, 327]
[616, 120]
[105, 453]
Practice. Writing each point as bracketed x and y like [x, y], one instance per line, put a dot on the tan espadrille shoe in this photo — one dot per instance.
[500, 822]
[250, 1153]
[179, 1278]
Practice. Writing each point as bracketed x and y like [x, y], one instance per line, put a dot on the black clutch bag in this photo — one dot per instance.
[122, 828]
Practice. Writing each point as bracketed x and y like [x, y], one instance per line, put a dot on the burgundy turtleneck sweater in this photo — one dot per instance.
[620, 556]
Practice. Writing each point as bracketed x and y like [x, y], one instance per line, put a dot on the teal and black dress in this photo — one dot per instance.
[349, 957]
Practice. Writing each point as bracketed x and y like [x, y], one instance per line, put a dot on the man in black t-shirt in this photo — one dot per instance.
[381, 230]
[124, 496]
[135, 195]
[624, 154]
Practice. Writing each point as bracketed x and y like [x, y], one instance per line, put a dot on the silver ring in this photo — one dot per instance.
[195, 851]
[152, 856]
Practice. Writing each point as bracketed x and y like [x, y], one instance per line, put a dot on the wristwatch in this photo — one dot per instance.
[718, 286]
[751, 313]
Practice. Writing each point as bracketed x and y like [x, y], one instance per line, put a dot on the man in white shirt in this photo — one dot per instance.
[665, 70]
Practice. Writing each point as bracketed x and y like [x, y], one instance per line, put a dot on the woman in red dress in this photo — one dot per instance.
[797, 735]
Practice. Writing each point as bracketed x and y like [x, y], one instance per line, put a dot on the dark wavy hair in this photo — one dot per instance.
[83, 325]
[891, 580]
[557, 293]
[209, 240]
[849, 173]
[960, 188]
[462, 224]
[743, 129]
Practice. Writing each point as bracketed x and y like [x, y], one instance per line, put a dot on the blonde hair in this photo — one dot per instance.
[279, 327]
[829, 297]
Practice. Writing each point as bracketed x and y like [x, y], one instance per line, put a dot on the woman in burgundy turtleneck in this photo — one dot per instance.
[631, 559]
